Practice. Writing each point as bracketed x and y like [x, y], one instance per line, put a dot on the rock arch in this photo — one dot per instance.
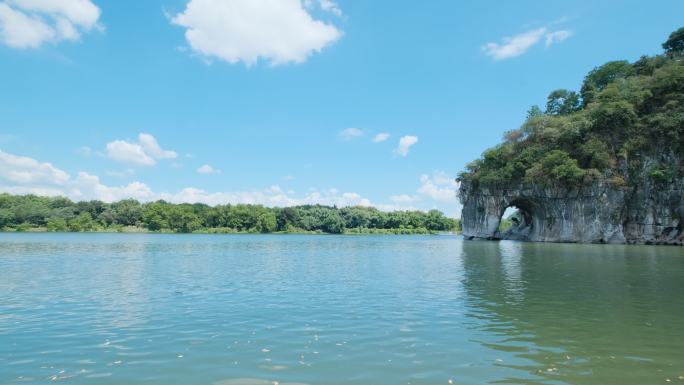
[551, 214]
[523, 221]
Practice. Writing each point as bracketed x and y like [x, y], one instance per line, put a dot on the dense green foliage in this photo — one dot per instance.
[675, 43]
[624, 113]
[24, 212]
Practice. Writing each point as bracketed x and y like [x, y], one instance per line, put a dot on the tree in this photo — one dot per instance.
[331, 222]
[23, 212]
[266, 222]
[436, 221]
[355, 217]
[562, 102]
[6, 218]
[128, 212]
[107, 217]
[57, 225]
[83, 222]
[181, 219]
[599, 78]
[287, 217]
[557, 166]
[154, 216]
[674, 45]
[534, 112]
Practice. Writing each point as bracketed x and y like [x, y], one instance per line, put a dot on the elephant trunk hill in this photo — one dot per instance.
[605, 165]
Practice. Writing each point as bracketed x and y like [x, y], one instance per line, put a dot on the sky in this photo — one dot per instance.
[286, 102]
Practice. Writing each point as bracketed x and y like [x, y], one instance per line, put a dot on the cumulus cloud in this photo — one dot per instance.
[403, 198]
[150, 146]
[130, 153]
[405, 143]
[439, 187]
[28, 171]
[381, 137]
[513, 46]
[207, 169]
[145, 152]
[272, 196]
[87, 187]
[350, 133]
[436, 190]
[122, 173]
[277, 31]
[31, 23]
[24, 175]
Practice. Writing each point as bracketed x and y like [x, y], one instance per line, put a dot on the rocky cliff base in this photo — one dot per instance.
[649, 213]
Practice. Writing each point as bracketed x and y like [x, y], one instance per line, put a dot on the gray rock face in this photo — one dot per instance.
[599, 213]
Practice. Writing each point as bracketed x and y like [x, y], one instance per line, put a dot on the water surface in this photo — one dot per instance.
[254, 310]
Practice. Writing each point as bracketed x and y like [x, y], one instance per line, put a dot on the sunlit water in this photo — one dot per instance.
[253, 310]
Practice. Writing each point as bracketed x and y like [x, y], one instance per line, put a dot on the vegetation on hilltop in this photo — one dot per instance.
[624, 113]
[26, 212]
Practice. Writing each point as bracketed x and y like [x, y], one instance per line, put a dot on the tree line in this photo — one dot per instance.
[59, 214]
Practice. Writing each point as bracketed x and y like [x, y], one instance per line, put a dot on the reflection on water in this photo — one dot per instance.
[584, 314]
[253, 310]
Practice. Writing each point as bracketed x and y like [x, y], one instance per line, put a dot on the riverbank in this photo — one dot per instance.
[142, 230]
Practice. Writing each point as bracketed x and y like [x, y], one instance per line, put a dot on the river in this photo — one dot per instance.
[329, 310]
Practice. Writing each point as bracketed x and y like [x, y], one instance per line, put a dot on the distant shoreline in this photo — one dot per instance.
[138, 230]
[32, 213]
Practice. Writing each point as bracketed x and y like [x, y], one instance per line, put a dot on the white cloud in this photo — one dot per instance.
[272, 196]
[350, 133]
[30, 23]
[130, 153]
[207, 169]
[23, 175]
[121, 174]
[151, 147]
[557, 37]
[330, 6]
[278, 31]
[87, 187]
[19, 30]
[405, 143]
[436, 191]
[325, 5]
[143, 153]
[403, 198]
[439, 187]
[381, 137]
[513, 46]
[28, 171]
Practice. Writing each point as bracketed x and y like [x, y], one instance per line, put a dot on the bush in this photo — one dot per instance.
[661, 174]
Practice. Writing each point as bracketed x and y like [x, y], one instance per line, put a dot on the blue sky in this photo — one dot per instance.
[282, 101]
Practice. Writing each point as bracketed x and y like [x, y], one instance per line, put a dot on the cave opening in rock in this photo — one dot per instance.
[516, 221]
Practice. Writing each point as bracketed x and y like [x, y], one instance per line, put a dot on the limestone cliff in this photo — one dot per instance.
[595, 213]
[605, 165]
